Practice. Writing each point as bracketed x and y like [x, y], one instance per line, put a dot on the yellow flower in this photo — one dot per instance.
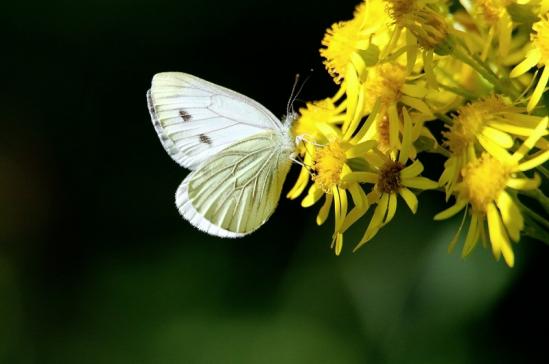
[329, 167]
[426, 27]
[488, 124]
[385, 91]
[483, 190]
[500, 26]
[305, 127]
[347, 43]
[391, 177]
[537, 55]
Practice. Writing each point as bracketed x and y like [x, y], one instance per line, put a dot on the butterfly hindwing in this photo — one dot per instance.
[235, 191]
[195, 119]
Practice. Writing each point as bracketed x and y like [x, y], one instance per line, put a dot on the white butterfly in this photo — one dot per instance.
[238, 151]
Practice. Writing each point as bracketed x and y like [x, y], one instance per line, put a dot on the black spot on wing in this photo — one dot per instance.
[205, 139]
[185, 115]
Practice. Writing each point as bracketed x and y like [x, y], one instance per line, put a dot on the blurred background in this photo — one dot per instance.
[97, 266]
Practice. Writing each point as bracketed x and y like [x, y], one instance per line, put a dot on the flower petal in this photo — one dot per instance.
[410, 199]
[361, 206]
[391, 208]
[406, 137]
[314, 194]
[498, 236]
[412, 170]
[376, 221]
[502, 139]
[538, 91]
[524, 183]
[421, 183]
[360, 149]
[452, 210]
[360, 177]
[324, 210]
[472, 236]
[531, 60]
[531, 140]
[510, 214]
[535, 161]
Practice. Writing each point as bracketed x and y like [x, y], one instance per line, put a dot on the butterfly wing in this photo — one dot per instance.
[234, 192]
[195, 119]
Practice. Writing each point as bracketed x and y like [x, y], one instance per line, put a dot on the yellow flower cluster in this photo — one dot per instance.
[420, 76]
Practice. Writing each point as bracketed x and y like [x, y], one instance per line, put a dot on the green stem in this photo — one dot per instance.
[484, 71]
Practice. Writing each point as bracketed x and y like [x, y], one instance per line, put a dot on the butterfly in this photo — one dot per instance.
[238, 152]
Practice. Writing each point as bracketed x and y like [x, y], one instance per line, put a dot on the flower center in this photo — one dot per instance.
[471, 119]
[483, 181]
[384, 82]
[328, 164]
[541, 38]
[389, 177]
[340, 42]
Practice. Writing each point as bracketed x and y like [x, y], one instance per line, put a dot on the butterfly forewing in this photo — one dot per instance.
[235, 191]
[195, 119]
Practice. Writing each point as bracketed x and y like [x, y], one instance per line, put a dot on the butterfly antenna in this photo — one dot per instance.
[292, 95]
[296, 91]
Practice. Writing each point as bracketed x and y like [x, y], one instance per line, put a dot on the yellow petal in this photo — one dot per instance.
[452, 210]
[361, 206]
[391, 208]
[524, 183]
[338, 243]
[414, 90]
[406, 137]
[394, 124]
[300, 184]
[421, 183]
[535, 161]
[531, 140]
[538, 91]
[376, 222]
[412, 170]
[411, 54]
[498, 236]
[416, 104]
[504, 140]
[510, 214]
[314, 194]
[324, 210]
[410, 199]
[360, 177]
[360, 149]
[495, 150]
[472, 236]
[340, 204]
[531, 60]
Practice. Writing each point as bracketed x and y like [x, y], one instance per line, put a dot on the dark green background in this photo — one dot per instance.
[96, 265]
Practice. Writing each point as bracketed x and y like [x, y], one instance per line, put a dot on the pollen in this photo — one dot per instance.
[328, 164]
[340, 42]
[541, 38]
[471, 119]
[389, 177]
[385, 83]
[483, 181]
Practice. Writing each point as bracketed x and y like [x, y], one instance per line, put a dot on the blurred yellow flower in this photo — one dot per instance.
[483, 189]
